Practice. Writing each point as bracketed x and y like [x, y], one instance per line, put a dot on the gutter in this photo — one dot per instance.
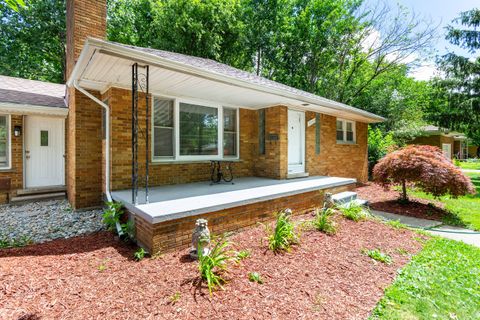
[107, 145]
[93, 46]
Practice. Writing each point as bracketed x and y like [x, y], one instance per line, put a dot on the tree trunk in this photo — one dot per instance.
[404, 191]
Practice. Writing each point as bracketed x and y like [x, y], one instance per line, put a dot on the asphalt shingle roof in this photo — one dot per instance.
[32, 92]
[226, 70]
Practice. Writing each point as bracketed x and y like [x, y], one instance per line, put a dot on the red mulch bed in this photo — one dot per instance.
[387, 200]
[326, 277]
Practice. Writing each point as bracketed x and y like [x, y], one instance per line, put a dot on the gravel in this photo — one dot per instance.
[41, 221]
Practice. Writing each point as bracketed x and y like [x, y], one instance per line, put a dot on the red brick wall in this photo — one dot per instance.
[165, 173]
[16, 171]
[176, 234]
[84, 145]
[334, 159]
[340, 160]
[274, 163]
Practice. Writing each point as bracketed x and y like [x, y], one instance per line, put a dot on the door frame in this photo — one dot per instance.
[24, 148]
[297, 169]
[449, 149]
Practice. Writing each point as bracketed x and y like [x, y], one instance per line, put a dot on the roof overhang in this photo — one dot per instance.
[103, 64]
[29, 109]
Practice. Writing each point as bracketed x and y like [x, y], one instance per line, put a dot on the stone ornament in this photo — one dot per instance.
[200, 238]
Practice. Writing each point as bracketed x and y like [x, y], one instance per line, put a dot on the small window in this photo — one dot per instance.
[163, 133]
[4, 141]
[339, 130]
[229, 132]
[198, 130]
[44, 138]
[345, 131]
[261, 131]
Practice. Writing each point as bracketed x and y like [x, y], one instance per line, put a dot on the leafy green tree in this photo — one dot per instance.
[32, 40]
[456, 98]
[15, 4]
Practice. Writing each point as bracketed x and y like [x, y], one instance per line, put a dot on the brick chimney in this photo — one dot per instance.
[84, 124]
[85, 18]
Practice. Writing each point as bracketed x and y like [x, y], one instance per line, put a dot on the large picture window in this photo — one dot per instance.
[4, 141]
[186, 131]
[345, 131]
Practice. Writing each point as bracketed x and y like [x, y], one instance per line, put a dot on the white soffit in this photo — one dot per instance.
[99, 70]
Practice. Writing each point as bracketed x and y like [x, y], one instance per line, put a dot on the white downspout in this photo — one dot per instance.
[107, 145]
[107, 138]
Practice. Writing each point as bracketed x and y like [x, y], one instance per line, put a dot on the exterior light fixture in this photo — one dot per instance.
[17, 131]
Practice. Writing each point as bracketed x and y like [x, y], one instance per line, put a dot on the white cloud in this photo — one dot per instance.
[424, 72]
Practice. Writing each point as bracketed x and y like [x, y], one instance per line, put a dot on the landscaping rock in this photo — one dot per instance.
[46, 220]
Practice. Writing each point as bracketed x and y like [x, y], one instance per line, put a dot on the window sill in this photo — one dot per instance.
[159, 162]
[343, 143]
[7, 170]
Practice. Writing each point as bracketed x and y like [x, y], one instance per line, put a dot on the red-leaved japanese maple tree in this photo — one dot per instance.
[424, 167]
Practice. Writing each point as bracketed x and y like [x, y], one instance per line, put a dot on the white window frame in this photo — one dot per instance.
[176, 132]
[344, 129]
[9, 142]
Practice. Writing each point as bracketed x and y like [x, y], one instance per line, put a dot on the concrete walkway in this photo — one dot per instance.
[471, 171]
[434, 227]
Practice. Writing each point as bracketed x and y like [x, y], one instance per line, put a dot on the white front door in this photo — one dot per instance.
[44, 151]
[296, 142]
[447, 150]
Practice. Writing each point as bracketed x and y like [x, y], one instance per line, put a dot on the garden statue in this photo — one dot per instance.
[200, 238]
[328, 201]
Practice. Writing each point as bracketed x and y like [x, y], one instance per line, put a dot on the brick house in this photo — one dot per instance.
[453, 144]
[32, 138]
[144, 126]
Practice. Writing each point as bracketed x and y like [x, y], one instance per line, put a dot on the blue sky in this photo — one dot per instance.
[441, 12]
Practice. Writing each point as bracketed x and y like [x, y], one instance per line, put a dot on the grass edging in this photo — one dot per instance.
[441, 282]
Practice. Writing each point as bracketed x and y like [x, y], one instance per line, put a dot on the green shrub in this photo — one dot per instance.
[354, 212]
[112, 215]
[378, 145]
[213, 264]
[242, 254]
[255, 277]
[284, 235]
[378, 255]
[323, 221]
[139, 254]
[15, 243]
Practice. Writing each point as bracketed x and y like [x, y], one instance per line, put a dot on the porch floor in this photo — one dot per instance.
[172, 202]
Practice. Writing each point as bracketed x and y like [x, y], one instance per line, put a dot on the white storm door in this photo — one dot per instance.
[447, 150]
[296, 141]
[44, 151]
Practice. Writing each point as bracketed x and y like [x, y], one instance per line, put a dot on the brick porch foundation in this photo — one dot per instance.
[177, 234]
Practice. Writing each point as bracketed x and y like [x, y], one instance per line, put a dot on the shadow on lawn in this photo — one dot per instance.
[418, 209]
[82, 244]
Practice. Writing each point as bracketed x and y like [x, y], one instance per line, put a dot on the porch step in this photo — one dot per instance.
[38, 197]
[347, 198]
[297, 175]
[42, 190]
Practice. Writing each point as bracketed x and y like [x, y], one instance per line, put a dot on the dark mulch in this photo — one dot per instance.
[94, 277]
[387, 200]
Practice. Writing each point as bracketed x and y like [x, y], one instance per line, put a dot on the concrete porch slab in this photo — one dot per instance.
[183, 200]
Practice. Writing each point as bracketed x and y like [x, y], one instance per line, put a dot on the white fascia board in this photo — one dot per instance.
[26, 109]
[134, 54]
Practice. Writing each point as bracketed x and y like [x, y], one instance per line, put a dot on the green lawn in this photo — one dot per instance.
[441, 282]
[470, 165]
[465, 209]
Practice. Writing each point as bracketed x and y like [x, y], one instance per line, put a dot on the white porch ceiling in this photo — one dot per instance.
[102, 67]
